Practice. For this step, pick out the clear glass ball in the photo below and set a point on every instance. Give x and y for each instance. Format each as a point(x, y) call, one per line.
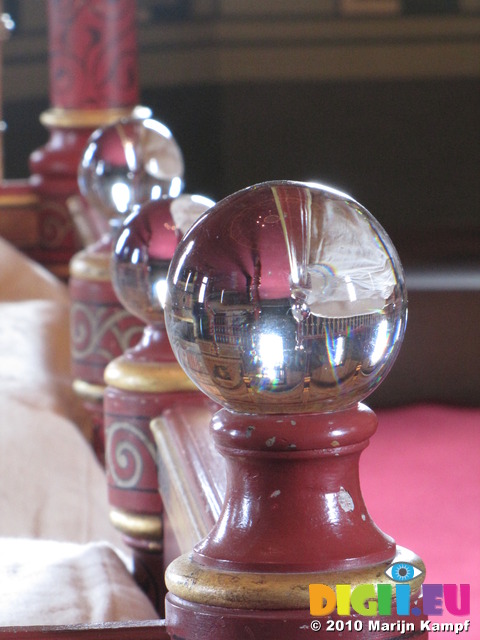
point(128, 163)
point(286, 297)
point(144, 247)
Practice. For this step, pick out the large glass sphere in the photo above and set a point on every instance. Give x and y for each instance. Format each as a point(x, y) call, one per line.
point(143, 250)
point(128, 163)
point(286, 297)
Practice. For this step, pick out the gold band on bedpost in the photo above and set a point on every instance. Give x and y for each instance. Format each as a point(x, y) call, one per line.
point(139, 526)
point(147, 377)
point(57, 117)
point(88, 391)
point(204, 585)
point(90, 266)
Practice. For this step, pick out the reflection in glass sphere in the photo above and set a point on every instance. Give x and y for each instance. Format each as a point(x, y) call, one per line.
point(286, 297)
point(128, 163)
point(142, 253)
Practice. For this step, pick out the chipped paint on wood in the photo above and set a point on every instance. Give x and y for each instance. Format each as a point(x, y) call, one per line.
point(345, 500)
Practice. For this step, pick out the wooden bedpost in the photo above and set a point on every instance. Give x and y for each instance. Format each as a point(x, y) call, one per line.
point(141, 384)
point(101, 329)
point(126, 164)
point(293, 516)
point(93, 80)
point(271, 311)
point(144, 382)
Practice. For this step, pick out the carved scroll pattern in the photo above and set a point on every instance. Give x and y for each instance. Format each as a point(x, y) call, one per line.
point(100, 333)
point(55, 225)
point(130, 457)
point(93, 53)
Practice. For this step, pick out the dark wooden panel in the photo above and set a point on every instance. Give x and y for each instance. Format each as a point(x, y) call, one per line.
point(408, 150)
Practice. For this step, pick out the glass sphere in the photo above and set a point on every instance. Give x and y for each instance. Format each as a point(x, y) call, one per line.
point(128, 163)
point(143, 250)
point(286, 297)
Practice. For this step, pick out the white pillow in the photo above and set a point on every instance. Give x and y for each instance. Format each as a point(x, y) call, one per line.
point(57, 583)
point(52, 486)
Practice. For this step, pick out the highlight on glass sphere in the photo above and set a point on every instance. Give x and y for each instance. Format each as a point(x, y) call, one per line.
point(129, 163)
point(142, 252)
point(286, 297)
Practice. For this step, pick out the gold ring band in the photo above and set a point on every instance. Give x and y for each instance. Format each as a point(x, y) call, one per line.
point(147, 377)
point(137, 525)
point(90, 118)
point(88, 391)
point(196, 583)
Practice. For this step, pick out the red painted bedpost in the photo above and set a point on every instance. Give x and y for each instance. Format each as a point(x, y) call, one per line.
point(102, 326)
point(93, 81)
point(101, 329)
point(293, 515)
point(286, 304)
point(142, 383)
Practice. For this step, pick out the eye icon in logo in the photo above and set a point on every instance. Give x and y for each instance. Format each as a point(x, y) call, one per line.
point(402, 572)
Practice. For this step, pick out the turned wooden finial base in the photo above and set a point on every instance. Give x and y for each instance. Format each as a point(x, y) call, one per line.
point(93, 80)
point(141, 384)
point(101, 329)
point(293, 516)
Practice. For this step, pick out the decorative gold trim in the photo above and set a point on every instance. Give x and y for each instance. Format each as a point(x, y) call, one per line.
point(18, 199)
point(193, 582)
point(148, 377)
point(86, 265)
point(138, 525)
point(87, 391)
point(90, 118)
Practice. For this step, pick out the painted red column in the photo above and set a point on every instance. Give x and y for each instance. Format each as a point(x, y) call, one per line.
point(142, 383)
point(286, 304)
point(93, 54)
point(101, 330)
point(293, 515)
point(102, 327)
point(93, 81)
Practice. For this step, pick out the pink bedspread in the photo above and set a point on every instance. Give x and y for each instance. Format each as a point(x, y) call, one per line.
point(421, 483)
